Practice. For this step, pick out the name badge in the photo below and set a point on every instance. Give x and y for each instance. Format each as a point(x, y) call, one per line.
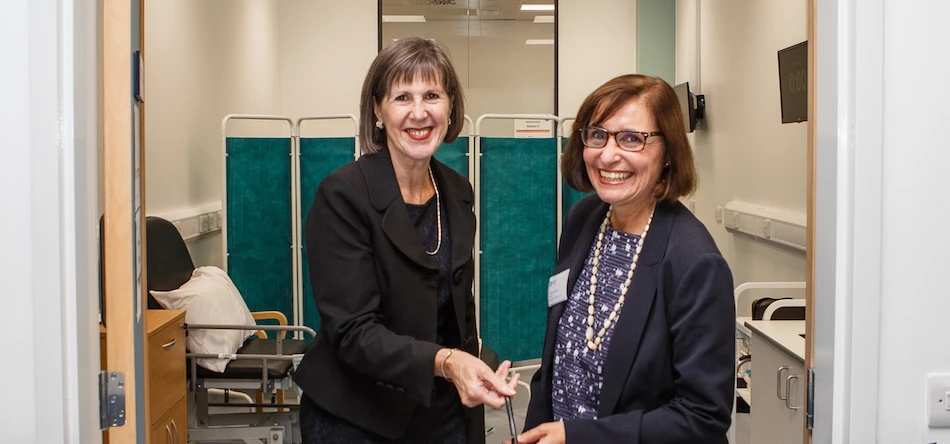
point(557, 288)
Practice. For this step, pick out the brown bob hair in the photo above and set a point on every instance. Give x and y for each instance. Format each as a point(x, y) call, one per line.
point(403, 62)
point(679, 178)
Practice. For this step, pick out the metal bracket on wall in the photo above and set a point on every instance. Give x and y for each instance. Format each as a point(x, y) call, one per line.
point(111, 399)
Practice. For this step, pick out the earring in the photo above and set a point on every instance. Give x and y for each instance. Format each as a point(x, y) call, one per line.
point(379, 124)
point(667, 165)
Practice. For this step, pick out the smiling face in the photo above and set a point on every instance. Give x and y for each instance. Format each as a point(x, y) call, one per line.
point(415, 116)
point(623, 178)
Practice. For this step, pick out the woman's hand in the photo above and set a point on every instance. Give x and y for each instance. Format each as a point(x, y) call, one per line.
point(547, 433)
point(475, 381)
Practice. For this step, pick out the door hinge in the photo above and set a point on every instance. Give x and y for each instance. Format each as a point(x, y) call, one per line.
point(810, 403)
point(111, 399)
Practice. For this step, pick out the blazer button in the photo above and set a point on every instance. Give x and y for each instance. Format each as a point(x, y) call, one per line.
point(457, 277)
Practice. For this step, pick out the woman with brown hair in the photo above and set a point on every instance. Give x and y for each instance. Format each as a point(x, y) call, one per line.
point(639, 345)
point(389, 244)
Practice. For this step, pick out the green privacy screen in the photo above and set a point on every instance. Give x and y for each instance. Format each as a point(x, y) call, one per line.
point(518, 213)
point(455, 156)
point(258, 217)
point(318, 158)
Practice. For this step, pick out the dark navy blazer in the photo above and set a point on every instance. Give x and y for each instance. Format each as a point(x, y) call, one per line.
point(375, 287)
point(668, 375)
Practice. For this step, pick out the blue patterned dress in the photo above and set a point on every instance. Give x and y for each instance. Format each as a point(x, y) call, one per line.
point(578, 371)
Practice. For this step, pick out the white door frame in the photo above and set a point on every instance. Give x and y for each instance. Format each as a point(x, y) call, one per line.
point(848, 218)
point(48, 179)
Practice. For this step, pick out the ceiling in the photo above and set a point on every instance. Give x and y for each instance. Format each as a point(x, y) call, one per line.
point(443, 10)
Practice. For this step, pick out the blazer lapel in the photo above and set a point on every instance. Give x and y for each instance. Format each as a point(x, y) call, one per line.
point(384, 194)
point(625, 341)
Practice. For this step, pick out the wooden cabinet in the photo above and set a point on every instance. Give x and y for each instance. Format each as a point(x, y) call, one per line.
point(171, 428)
point(778, 393)
point(165, 379)
point(167, 408)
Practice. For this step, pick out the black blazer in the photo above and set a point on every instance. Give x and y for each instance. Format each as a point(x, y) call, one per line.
point(668, 376)
point(375, 289)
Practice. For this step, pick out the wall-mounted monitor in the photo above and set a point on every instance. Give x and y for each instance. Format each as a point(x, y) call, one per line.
point(693, 105)
point(793, 82)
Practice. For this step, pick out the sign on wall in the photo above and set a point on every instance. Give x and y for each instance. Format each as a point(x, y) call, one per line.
point(533, 129)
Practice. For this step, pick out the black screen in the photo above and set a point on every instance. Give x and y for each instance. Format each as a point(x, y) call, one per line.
point(793, 82)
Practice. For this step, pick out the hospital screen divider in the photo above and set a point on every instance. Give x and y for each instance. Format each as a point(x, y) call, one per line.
point(258, 227)
point(458, 155)
point(455, 155)
point(318, 157)
point(516, 179)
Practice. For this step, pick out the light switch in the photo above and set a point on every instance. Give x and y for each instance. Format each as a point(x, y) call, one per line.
point(938, 400)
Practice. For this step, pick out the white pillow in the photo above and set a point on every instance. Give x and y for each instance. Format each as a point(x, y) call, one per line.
point(210, 297)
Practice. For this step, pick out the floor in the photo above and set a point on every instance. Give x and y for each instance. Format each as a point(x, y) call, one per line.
point(497, 427)
point(496, 421)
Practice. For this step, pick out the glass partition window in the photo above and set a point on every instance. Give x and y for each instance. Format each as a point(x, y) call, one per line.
point(504, 55)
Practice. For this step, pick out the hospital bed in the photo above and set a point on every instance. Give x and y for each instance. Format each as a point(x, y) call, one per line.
point(263, 364)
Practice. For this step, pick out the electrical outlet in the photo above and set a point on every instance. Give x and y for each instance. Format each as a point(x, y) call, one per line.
point(204, 224)
point(719, 214)
point(938, 400)
point(215, 220)
point(767, 228)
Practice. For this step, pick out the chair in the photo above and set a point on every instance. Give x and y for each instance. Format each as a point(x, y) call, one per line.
point(263, 364)
point(785, 310)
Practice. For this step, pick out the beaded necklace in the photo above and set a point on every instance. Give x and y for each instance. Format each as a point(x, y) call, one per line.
point(593, 342)
point(438, 206)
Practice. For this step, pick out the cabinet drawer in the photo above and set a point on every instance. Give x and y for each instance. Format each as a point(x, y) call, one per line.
point(166, 368)
point(172, 428)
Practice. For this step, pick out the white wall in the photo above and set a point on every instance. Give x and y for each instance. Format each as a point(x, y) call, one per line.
point(914, 261)
point(743, 152)
point(204, 60)
point(326, 48)
point(15, 175)
point(605, 34)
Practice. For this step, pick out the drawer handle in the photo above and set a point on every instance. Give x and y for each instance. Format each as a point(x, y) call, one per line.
point(171, 439)
point(176, 431)
point(788, 391)
point(778, 383)
point(173, 341)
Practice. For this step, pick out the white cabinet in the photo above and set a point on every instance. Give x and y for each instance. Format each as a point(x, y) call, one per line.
point(778, 393)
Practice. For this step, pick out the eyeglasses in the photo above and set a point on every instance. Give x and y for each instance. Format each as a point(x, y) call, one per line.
point(594, 137)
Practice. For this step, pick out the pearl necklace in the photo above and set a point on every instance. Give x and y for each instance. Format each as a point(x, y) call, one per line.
point(593, 342)
point(438, 209)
